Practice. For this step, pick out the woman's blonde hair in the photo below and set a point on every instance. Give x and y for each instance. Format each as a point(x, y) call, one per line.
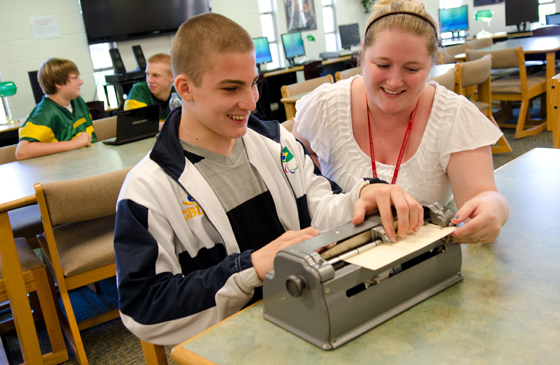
point(409, 16)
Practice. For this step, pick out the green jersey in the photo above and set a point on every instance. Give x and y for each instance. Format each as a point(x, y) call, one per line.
point(141, 96)
point(50, 122)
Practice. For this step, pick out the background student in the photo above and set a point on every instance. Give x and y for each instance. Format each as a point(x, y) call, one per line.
point(156, 89)
point(201, 218)
point(61, 121)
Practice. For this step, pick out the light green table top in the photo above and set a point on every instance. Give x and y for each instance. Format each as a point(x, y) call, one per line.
point(17, 178)
point(506, 310)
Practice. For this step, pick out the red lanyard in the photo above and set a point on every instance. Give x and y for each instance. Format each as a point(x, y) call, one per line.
point(403, 147)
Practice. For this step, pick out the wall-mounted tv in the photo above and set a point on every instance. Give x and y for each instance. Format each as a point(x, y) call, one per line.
point(120, 20)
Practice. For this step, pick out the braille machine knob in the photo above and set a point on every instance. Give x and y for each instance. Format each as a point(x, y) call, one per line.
point(295, 285)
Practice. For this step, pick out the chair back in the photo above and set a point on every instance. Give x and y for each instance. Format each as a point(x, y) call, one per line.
point(105, 128)
point(96, 109)
point(35, 86)
point(447, 54)
point(544, 31)
point(306, 86)
point(8, 154)
point(505, 58)
point(312, 70)
point(474, 73)
point(80, 199)
point(480, 43)
point(346, 74)
point(446, 80)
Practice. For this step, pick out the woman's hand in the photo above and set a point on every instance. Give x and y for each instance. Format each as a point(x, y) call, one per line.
point(484, 215)
point(380, 198)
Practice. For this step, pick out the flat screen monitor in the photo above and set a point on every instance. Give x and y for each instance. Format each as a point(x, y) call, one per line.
point(262, 50)
point(553, 19)
point(120, 20)
point(454, 19)
point(293, 46)
point(521, 11)
point(349, 35)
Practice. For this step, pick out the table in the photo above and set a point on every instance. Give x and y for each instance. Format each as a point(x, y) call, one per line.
point(16, 190)
point(506, 310)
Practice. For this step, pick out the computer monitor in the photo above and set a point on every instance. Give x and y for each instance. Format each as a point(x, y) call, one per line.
point(349, 35)
point(262, 51)
point(519, 12)
point(293, 46)
point(553, 19)
point(454, 19)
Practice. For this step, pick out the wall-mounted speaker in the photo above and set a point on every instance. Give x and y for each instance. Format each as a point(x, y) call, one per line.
point(118, 64)
point(139, 55)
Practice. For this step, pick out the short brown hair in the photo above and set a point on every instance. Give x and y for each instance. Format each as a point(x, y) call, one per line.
point(202, 35)
point(408, 23)
point(161, 58)
point(55, 71)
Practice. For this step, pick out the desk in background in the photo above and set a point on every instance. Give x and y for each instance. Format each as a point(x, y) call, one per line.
point(269, 104)
point(16, 189)
point(506, 310)
point(9, 133)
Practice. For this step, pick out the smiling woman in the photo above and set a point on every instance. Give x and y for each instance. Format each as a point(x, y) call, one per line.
point(392, 124)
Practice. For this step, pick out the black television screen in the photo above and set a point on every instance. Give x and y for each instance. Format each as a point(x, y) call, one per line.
point(119, 20)
point(349, 35)
point(486, 2)
point(520, 11)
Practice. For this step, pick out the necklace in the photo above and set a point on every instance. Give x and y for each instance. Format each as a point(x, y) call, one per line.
point(403, 147)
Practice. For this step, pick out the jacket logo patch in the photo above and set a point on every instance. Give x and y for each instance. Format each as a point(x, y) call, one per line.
point(191, 208)
point(290, 164)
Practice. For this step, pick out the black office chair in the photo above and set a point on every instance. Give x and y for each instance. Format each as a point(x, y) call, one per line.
point(35, 87)
point(312, 70)
point(96, 109)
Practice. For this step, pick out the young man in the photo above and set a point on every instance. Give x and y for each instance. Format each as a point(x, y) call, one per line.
point(201, 218)
point(156, 89)
point(61, 121)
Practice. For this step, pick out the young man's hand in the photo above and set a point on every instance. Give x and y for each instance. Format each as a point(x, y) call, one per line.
point(376, 198)
point(82, 140)
point(263, 259)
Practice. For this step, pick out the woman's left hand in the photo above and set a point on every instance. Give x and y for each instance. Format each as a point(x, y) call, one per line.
point(484, 215)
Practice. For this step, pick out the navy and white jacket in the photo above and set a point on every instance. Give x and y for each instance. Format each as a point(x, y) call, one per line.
point(179, 268)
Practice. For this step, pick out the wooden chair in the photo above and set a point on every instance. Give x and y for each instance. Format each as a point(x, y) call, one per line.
point(553, 88)
point(289, 124)
point(36, 281)
point(478, 74)
point(447, 54)
point(79, 218)
point(346, 74)
point(480, 43)
point(515, 88)
point(294, 92)
point(447, 79)
point(26, 221)
point(153, 354)
point(105, 128)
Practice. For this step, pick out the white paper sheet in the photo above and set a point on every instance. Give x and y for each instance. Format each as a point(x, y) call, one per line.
point(386, 253)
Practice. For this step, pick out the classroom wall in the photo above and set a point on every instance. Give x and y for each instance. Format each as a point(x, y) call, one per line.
point(20, 53)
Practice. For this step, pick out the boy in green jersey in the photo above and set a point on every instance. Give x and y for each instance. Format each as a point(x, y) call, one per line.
point(61, 121)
